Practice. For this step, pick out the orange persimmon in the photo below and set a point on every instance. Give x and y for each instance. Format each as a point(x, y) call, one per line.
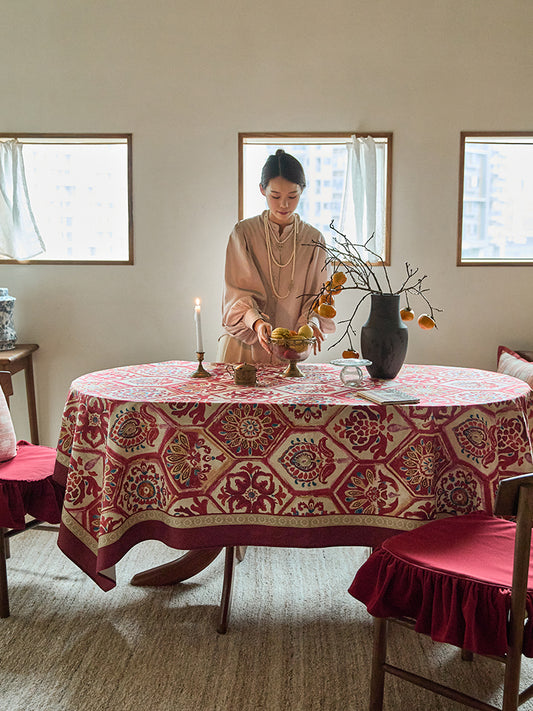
point(426, 322)
point(326, 310)
point(338, 279)
point(407, 314)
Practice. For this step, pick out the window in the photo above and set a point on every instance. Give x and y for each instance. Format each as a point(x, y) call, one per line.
point(324, 158)
point(79, 190)
point(495, 224)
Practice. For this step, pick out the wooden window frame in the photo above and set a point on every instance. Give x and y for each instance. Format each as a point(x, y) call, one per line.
point(463, 139)
point(343, 137)
point(78, 138)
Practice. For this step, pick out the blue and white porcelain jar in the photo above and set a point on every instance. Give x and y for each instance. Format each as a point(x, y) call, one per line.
point(8, 335)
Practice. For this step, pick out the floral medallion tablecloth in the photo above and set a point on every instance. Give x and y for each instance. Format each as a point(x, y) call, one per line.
point(147, 452)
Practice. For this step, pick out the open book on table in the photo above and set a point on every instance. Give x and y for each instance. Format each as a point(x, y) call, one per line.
point(384, 396)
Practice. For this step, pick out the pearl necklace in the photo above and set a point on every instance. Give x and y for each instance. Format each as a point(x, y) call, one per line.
point(269, 231)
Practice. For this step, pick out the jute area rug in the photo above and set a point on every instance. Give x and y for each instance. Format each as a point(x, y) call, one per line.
point(297, 641)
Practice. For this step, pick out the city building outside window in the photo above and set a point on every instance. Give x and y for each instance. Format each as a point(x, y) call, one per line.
point(495, 224)
point(327, 197)
point(79, 191)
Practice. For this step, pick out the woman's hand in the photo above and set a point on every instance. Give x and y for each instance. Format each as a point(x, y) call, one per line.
point(263, 331)
point(317, 333)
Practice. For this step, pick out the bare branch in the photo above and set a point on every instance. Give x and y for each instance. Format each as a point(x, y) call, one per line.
point(351, 259)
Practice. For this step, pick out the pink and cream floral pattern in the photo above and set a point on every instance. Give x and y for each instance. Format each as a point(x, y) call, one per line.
point(149, 452)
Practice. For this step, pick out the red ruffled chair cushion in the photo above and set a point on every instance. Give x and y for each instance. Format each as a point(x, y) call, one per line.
point(27, 487)
point(453, 577)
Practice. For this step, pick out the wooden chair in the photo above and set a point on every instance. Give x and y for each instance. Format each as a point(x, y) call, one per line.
point(28, 495)
point(464, 580)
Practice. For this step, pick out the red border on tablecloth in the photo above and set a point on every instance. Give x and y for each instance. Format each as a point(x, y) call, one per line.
point(211, 537)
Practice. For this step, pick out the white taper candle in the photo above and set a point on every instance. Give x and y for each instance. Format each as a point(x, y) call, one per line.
point(197, 318)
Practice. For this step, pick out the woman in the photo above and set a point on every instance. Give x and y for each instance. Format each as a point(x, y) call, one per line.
point(273, 269)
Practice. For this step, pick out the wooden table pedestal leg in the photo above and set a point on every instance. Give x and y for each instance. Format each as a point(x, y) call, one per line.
point(190, 564)
point(183, 568)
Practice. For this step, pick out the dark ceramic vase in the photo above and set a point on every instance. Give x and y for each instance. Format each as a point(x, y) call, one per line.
point(384, 337)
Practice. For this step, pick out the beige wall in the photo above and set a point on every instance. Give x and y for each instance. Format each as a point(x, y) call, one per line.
point(185, 78)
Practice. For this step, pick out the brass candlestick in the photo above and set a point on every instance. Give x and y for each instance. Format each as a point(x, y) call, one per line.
point(200, 372)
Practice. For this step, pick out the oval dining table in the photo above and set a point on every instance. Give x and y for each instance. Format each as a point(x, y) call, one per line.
point(201, 464)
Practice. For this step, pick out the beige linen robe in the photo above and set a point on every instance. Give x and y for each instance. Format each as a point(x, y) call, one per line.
point(248, 293)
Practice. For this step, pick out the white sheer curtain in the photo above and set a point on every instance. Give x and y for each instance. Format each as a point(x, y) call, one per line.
point(19, 234)
point(362, 209)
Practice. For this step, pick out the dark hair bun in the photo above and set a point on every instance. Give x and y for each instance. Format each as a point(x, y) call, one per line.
point(284, 165)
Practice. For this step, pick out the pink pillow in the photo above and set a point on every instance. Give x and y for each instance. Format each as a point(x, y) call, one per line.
point(8, 441)
point(510, 363)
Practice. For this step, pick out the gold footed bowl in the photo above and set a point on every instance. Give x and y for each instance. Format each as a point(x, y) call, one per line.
point(292, 351)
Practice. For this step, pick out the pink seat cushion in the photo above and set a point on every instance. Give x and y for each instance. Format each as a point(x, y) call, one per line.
point(453, 576)
point(26, 487)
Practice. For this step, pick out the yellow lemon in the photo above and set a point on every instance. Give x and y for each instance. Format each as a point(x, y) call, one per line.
point(305, 331)
point(298, 345)
point(280, 333)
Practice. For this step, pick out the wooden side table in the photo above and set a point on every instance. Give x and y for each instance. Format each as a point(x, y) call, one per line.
point(20, 358)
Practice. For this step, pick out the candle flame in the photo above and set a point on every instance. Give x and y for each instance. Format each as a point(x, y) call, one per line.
point(197, 302)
